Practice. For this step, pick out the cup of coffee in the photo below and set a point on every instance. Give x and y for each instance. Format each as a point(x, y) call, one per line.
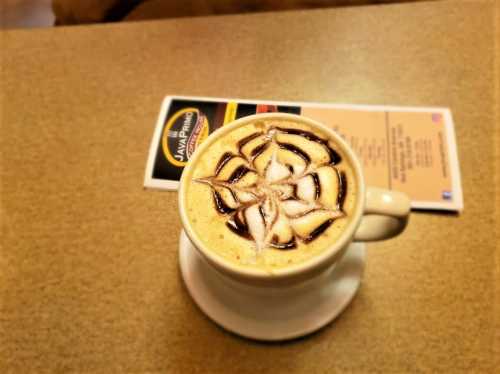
point(275, 199)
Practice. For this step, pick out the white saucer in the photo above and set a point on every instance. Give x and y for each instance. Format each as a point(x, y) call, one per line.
point(271, 314)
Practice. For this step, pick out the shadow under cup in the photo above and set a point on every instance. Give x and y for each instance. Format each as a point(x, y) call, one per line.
point(293, 273)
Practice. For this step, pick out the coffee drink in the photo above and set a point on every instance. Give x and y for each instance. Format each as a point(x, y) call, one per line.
point(271, 193)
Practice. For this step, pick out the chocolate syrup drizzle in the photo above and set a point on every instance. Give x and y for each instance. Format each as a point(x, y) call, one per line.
point(334, 156)
point(258, 150)
point(342, 189)
point(237, 225)
point(317, 185)
point(226, 157)
point(299, 152)
point(318, 231)
point(239, 173)
point(220, 204)
point(292, 244)
point(237, 222)
point(248, 138)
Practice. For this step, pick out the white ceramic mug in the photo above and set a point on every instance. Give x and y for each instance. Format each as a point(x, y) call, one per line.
point(379, 214)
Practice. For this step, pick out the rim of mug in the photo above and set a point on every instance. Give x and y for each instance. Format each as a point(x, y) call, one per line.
point(291, 270)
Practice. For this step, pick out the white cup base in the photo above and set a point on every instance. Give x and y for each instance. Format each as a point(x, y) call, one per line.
point(271, 314)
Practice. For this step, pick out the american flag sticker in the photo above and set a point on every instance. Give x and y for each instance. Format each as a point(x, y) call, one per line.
point(446, 195)
point(436, 117)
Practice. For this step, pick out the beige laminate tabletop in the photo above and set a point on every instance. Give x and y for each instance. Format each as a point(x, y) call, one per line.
point(89, 280)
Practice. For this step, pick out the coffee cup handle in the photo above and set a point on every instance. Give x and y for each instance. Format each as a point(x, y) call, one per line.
point(386, 215)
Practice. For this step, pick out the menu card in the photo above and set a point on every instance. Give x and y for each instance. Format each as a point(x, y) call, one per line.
point(409, 149)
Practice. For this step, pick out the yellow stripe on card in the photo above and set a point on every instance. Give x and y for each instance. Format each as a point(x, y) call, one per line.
point(230, 114)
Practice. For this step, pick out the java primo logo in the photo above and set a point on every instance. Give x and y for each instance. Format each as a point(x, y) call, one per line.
point(184, 131)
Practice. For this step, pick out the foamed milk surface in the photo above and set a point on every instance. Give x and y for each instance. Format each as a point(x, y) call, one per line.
point(277, 199)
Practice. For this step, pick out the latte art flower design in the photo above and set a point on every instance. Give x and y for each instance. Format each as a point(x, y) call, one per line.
point(281, 186)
